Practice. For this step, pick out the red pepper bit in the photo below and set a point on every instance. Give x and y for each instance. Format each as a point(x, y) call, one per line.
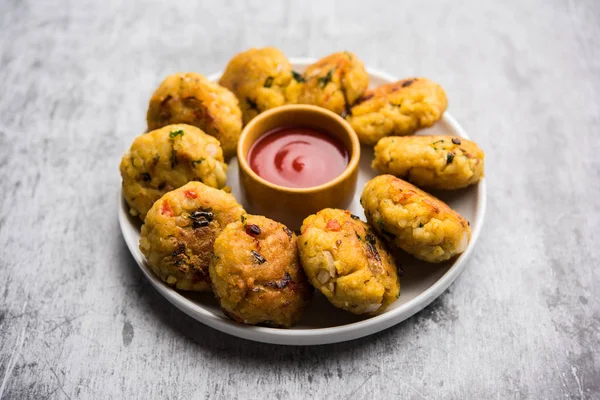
point(304, 229)
point(190, 194)
point(333, 225)
point(166, 209)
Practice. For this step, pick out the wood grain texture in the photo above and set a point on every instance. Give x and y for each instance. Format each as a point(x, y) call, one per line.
point(77, 318)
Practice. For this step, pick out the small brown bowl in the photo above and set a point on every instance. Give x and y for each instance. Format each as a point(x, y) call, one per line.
point(291, 205)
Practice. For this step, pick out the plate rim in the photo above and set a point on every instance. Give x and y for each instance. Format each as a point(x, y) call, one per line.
point(316, 336)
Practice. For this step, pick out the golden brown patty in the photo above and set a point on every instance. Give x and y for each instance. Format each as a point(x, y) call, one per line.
point(439, 162)
point(168, 158)
point(399, 108)
point(258, 77)
point(413, 220)
point(190, 98)
point(344, 259)
point(180, 230)
point(256, 273)
point(334, 82)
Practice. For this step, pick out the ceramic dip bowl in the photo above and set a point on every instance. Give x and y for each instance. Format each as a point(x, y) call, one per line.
point(290, 205)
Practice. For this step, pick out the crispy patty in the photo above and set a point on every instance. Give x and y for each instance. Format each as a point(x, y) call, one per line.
point(258, 77)
point(399, 109)
point(256, 273)
point(347, 262)
point(334, 82)
point(190, 98)
point(413, 220)
point(438, 162)
point(179, 233)
point(167, 158)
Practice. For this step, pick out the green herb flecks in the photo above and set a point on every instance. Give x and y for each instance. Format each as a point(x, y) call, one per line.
point(178, 132)
point(269, 82)
point(287, 278)
point(201, 219)
point(347, 106)
point(371, 238)
point(198, 162)
point(298, 77)
point(421, 225)
point(371, 249)
point(438, 141)
point(324, 80)
point(358, 236)
point(450, 158)
point(243, 219)
point(259, 259)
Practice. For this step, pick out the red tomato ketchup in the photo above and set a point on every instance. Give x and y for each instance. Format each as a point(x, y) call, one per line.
point(298, 157)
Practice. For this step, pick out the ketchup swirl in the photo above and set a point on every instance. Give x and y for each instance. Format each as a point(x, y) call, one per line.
point(298, 157)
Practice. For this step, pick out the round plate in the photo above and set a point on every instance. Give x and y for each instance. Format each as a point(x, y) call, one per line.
point(322, 323)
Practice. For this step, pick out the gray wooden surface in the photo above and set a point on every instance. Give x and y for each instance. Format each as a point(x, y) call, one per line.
point(78, 320)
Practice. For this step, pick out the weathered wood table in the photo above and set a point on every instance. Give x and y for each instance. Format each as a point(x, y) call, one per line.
point(77, 318)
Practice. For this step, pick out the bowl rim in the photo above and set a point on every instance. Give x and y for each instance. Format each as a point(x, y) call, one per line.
point(346, 174)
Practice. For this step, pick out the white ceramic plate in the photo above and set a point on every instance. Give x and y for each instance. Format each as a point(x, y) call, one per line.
point(322, 323)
